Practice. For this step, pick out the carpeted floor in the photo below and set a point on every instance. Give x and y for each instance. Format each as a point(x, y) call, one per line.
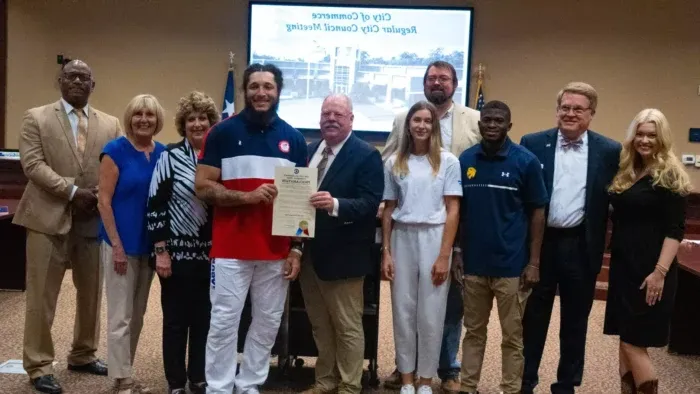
point(678, 375)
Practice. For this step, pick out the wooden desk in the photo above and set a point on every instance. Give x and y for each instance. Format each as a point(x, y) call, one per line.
point(685, 321)
point(12, 246)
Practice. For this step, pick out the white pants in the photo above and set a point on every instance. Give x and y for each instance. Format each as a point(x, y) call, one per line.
point(418, 306)
point(230, 282)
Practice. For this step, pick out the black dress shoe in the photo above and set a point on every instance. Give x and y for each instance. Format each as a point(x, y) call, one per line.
point(198, 388)
point(97, 367)
point(47, 384)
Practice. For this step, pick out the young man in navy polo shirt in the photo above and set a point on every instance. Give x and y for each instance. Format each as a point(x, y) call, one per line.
point(501, 227)
point(235, 175)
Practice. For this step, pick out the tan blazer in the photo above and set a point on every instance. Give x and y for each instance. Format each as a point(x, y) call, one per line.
point(465, 131)
point(49, 157)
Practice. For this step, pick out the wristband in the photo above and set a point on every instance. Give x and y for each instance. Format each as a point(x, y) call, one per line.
point(457, 249)
point(297, 251)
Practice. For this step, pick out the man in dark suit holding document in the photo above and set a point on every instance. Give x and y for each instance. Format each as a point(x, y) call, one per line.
point(335, 262)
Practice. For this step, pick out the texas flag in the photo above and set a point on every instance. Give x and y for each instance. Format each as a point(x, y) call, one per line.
point(228, 96)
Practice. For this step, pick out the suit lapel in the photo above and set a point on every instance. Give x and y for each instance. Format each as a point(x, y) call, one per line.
point(67, 130)
point(93, 126)
point(340, 159)
point(457, 137)
point(593, 161)
point(550, 148)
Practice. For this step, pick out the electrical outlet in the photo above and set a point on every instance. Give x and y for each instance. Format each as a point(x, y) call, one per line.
point(688, 159)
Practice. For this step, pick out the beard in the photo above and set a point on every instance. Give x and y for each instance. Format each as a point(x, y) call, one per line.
point(261, 118)
point(438, 96)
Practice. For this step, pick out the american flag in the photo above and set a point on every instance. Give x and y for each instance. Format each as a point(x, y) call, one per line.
point(479, 96)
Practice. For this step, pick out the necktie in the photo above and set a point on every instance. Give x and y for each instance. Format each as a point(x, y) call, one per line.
point(567, 143)
point(81, 137)
point(324, 161)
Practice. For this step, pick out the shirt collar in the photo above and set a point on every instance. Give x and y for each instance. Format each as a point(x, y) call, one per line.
point(336, 148)
point(503, 152)
point(69, 108)
point(449, 111)
point(189, 149)
point(583, 138)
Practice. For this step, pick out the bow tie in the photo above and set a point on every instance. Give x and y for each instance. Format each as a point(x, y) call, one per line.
point(567, 143)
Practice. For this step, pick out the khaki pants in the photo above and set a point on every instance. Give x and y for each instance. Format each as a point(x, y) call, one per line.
point(479, 292)
point(127, 298)
point(48, 256)
point(335, 310)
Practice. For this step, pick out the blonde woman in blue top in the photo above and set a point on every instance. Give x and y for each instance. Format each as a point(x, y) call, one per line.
point(422, 193)
point(126, 165)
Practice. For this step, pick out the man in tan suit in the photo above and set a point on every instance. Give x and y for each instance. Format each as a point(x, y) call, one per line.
point(459, 128)
point(59, 149)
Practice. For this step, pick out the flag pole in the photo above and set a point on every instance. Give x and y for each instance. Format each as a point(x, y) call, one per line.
point(480, 71)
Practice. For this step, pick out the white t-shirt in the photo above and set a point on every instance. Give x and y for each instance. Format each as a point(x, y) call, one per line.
point(420, 194)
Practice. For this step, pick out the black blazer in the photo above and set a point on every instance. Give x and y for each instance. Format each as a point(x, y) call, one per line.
point(603, 162)
point(342, 245)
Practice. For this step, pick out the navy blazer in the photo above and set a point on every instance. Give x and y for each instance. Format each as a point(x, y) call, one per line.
point(603, 162)
point(342, 245)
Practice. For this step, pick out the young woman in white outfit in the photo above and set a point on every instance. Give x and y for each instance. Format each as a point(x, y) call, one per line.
point(422, 191)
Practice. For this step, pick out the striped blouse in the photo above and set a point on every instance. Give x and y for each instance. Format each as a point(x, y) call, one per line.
point(175, 214)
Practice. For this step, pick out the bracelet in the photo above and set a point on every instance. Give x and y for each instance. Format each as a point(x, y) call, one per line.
point(663, 270)
point(533, 266)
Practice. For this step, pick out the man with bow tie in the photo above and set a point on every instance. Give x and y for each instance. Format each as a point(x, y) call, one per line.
point(335, 262)
point(578, 166)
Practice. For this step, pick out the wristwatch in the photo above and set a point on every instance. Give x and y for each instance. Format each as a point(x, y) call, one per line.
point(160, 249)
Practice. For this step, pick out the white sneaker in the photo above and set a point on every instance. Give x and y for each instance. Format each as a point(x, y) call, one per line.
point(425, 389)
point(408, 389)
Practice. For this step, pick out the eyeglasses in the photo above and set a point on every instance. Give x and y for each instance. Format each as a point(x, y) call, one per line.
point(337, 115)
point(442, 79)
point(564, 109)
point(81, 77)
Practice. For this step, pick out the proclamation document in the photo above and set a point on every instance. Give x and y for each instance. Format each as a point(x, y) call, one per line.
point(292, 213)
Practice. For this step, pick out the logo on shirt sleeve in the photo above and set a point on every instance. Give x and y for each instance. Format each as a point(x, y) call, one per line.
point(471, 172)
point(284, 146)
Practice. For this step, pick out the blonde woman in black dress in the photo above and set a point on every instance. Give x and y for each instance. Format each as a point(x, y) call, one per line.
point(648, 198)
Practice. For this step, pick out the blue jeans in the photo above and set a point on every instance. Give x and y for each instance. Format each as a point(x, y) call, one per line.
point(449, 367)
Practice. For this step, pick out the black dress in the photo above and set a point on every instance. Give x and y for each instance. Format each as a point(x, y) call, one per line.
point(643, 217)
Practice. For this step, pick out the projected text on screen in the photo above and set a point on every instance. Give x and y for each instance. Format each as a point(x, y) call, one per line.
point(377, 56)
